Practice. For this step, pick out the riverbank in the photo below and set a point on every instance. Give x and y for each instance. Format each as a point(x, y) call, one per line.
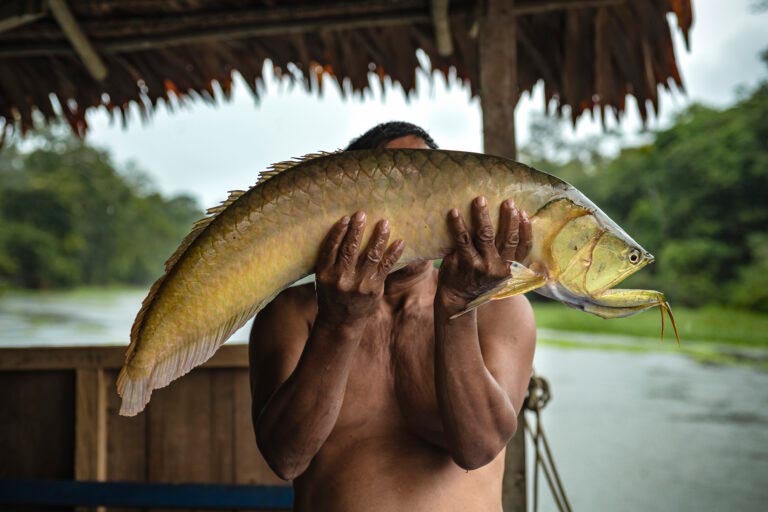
point(99, 316)
point(708, 335)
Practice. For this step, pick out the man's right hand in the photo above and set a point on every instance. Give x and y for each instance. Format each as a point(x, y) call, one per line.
point(350, 283)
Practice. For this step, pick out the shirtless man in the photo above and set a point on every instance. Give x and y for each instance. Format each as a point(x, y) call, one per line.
point(367, 395)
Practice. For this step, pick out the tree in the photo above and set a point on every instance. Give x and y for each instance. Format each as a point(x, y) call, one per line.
point(71, 218)
point(695, 196)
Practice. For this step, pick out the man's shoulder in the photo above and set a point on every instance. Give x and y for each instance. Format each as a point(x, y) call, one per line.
point(513, 316)
point(296, 299)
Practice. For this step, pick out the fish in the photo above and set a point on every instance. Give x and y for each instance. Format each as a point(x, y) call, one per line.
point(260, 241)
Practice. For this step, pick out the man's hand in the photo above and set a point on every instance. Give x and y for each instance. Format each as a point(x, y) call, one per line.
point(481, 261)
point(350, 283)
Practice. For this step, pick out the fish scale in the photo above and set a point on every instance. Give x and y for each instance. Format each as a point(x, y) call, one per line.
point(260, 241)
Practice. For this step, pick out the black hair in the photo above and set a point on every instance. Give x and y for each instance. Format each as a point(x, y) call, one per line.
point(383, 133)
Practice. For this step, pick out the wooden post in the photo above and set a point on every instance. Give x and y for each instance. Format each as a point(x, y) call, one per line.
point(499, 96)
point(498, 78)
point(90, 426)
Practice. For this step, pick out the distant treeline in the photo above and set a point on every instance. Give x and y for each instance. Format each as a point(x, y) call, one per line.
point(70, 218)
point(696, 196)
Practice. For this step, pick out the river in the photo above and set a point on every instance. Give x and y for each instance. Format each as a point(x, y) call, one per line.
point(629, 431)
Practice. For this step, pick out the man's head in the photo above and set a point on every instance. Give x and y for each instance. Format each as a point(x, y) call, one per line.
point(394, 134)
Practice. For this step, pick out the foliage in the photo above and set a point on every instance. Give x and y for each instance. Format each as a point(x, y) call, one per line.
point(713, 324)
point(695, 196)
point(70, 218)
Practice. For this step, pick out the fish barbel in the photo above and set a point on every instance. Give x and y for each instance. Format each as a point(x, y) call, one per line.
point(260, 241)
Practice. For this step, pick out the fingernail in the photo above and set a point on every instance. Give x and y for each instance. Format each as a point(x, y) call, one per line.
point(454, 213)
point(385, 225)
point(481, 201)
point(359, 216)
point(525, 215)
point(345, 220)
point(509, 204)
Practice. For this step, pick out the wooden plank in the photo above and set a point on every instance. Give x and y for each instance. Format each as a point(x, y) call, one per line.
point(250, 466)
point(126, 441)
point(222, 464)
point(37, 426)
point(108, 357)
point(90, 427)
point(179, 431)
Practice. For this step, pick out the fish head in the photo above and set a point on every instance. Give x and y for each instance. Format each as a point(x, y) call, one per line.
point(588, 255)
point(583, 250)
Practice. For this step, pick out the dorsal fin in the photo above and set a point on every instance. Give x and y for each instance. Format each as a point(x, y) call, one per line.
point(197, 228)
point(279, 167)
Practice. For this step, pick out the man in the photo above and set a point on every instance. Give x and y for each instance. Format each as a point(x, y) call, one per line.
point(366, 394)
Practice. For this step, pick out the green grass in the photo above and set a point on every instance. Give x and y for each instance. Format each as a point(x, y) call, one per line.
point(709, 324)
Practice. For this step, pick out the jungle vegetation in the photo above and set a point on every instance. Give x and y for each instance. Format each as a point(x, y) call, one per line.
point(69, 217)
point(695, 194)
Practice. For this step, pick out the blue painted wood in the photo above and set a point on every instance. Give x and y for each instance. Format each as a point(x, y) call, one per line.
point(135, 494)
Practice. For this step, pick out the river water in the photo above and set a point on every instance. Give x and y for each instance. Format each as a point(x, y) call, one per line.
point(629, 431)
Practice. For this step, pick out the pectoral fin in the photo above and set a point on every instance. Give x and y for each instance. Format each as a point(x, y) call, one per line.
point(521, 280)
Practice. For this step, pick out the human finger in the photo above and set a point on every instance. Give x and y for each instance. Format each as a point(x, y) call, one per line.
point(330, 246)
point(350, 247)
point(508, 235)
point(484, 234)
point(371, 258)
point(464, 247)
point(390, 257)
point(526, 237)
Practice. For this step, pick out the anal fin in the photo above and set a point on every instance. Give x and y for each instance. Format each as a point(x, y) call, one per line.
point(521, 280)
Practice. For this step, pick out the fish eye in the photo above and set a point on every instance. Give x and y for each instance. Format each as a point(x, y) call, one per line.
point(634, 257)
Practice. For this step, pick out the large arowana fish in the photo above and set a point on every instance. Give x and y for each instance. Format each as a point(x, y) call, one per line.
point(261, 241)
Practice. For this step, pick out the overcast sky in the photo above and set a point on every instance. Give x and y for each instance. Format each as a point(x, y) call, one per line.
point(205, 151)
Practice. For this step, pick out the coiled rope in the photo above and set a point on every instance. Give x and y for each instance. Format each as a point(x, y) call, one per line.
point(537, 399)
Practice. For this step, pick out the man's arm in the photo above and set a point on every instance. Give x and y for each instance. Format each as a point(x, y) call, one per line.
point(482, 359)
point(298, 388)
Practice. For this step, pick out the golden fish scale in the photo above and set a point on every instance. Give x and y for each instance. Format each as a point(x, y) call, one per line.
point(270, 236)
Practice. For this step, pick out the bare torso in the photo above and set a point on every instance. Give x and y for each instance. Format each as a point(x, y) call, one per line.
point(386, 451)
point(377, 390)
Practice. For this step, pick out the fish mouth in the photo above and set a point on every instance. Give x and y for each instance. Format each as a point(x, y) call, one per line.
point(614, 303)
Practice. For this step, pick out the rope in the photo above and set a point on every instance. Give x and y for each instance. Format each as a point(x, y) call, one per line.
point(537, 399)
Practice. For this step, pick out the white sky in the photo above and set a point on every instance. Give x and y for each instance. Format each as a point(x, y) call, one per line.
point(206, 151)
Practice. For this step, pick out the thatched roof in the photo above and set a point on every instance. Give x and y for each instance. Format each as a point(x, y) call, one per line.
point(589, 53)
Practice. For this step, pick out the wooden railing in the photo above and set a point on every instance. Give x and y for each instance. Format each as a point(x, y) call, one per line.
point(59, 411)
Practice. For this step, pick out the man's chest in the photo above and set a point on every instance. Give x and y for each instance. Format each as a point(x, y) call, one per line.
point(391, 379)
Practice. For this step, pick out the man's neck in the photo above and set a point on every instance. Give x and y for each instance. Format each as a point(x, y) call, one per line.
point(407, 278)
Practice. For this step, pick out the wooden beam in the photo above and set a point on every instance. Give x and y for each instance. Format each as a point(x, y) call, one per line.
point(166, 31)
point(77, 37)
point(533, 7)
point(213, 35)
point(18, 13)
point(442, 26)
point(498, 78)
point(108, 357)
